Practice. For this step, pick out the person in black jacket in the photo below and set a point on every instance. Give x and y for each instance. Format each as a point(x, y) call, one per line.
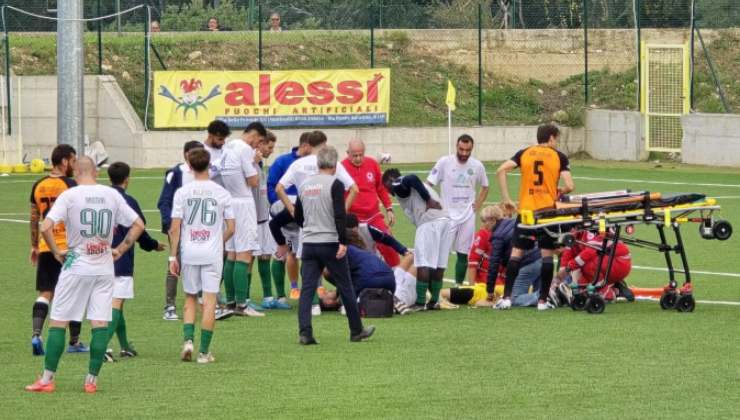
point(123, 283)
point(174, 178)
point(502, 240)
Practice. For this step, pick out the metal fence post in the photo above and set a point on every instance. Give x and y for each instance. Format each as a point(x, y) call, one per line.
point(691, 55)
point(585, 52)
point(100, 41)
point(480, 64)
point(259, 34)
point(6, 44)
point(638, 23)
point(146, 65)
point(372, 35)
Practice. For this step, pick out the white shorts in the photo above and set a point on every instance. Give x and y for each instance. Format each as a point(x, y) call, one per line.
point(405, 286)
point(123, 287)
point(246, 235)
point(432, 244)
point(76, 295)
point(463, 233)
point(268, 246)
point(205, 278)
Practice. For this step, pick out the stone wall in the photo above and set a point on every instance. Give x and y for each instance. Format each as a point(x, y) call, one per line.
point(711, 139)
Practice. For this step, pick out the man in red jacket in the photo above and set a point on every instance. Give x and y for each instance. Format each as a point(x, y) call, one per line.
point(366, 173)
point(581, 261)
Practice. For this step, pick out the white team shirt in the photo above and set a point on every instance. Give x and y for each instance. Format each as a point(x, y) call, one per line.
point(302, 169)
point(187, 174)
point(214, 168)
point(90, 214)
point(458, 183)
point(237, 164)
point(202, 206)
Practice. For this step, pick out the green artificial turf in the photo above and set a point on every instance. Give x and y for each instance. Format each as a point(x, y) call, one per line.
point(633, 361)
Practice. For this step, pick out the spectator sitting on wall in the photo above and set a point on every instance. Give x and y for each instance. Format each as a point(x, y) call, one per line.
point(275, 22)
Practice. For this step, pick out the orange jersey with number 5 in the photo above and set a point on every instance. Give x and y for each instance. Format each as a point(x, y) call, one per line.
point(43, 194)
point(540, 167)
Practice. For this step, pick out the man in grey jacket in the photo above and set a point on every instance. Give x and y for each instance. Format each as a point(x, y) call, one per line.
point(320, 211)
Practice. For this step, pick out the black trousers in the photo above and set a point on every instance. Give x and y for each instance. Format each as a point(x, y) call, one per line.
point(314, 258)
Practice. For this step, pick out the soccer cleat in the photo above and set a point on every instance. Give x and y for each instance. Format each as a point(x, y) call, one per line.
point(544, 306)
point(170, 314)
point(280, 303)
point(565, 293)
point(433, 306)
point(401, 308)
point(255, 306)
point(295, 293)
point(37, 346)
point(315, 310)
point(366, 333)
point(90, 388)
point(446, 304)
point(552, 297)
point(186, 354)
point(39, 386)
point(78, 347)
point(416, 308)
point(268, 304)
point(223, 313)
point(247, 310)
point(307, 340)
point(503, 304)
point(204, 358)
point(129, 352)
point(108, 356)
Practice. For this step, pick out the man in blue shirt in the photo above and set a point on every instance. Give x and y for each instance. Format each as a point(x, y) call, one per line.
point(123, 283)
point(277, 170)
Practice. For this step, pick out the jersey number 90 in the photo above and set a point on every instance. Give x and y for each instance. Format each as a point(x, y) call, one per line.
point(99, 222)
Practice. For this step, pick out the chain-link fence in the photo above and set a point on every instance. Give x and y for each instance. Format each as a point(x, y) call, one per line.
point(512, 61)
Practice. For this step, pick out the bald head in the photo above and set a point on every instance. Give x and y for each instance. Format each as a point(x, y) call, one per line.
point(356, 151)
point(85, 170)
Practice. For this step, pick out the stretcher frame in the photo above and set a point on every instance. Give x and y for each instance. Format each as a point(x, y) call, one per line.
point(611, 224)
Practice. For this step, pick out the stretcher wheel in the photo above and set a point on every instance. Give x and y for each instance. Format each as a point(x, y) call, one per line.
point(668, 300)
point(686, 303)
point(722, 230)
point(595, 304)
point(579, 302)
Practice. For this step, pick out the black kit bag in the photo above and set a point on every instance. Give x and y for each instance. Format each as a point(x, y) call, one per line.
point(376, 303)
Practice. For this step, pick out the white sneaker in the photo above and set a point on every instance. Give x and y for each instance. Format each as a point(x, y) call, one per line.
point(341, 310)
point(187, 351)
point(204, 358)
point(170, 314)
point(247, 310)
point(315, 310)
point(503, 304)
point(545, 306)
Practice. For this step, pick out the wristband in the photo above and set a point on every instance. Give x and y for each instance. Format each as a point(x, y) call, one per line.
point(171, 258)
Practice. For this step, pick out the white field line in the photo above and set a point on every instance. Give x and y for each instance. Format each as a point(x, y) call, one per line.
point(709, 273)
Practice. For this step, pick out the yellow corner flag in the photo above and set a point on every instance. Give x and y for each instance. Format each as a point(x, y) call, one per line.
point(450, 95)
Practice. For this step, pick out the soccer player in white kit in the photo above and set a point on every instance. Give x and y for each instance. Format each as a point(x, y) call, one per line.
point(459, 177)
point(200, 211)
point(239, 176)
point(432, 242)
point(89, 212)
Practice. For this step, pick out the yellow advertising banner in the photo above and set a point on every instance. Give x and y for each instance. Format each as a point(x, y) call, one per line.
point(192, 99)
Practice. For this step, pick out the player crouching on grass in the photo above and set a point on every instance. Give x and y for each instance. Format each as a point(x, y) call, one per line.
point(200, 211)
point(89, 212)
point(433, 240)
point(123, 283)
point(580, 261)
